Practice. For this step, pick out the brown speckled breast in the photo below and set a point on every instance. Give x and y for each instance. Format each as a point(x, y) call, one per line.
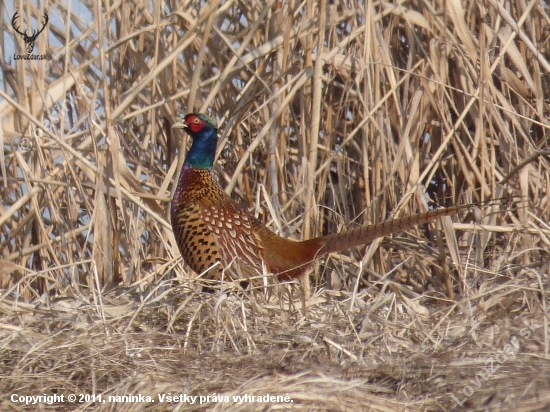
point(210, 227)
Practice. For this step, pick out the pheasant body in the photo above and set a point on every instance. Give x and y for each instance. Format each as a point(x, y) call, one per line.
point(210, 228)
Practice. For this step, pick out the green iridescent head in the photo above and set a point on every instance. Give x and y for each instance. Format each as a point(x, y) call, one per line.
point(204, 133)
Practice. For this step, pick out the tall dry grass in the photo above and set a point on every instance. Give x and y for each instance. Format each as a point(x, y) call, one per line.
point(331, 115)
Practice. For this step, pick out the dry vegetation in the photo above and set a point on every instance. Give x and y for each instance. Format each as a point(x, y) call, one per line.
point(330, 116)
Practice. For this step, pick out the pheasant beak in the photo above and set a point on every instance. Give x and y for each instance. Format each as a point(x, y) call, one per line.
point(179, 125)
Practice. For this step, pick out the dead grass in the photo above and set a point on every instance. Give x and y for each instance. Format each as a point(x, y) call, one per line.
point(321, 130)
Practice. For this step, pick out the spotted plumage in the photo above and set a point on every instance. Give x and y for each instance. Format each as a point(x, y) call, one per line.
point(215, 233)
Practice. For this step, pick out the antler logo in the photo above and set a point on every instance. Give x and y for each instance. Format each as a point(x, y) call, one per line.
point(29, 40)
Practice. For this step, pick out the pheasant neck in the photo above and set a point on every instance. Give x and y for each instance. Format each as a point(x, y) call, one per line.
point(202, 152)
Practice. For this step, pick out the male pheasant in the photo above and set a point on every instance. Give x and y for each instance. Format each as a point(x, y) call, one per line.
point(210, 227)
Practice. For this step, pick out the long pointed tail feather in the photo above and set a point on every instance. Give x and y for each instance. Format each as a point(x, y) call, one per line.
point(340, 242)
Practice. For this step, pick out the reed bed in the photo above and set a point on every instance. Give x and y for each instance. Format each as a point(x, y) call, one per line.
point(331, 115)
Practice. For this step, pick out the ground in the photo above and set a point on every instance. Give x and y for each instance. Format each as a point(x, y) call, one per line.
point(368, 351)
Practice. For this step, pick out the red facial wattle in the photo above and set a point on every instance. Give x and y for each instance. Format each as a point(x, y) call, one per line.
point(195, 127)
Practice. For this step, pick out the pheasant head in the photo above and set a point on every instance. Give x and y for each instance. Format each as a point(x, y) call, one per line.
point(204, 133)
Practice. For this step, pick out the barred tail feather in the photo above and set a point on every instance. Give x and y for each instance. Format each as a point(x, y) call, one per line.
point(340, 242)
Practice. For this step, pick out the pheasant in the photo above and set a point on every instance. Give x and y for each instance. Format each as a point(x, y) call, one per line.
point(214, 233)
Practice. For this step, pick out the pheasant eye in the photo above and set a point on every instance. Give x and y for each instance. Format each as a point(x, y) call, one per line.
point(196, 124)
